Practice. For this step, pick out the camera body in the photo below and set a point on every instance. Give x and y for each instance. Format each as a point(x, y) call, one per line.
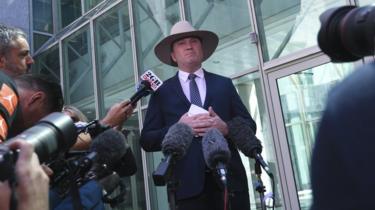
point(347, 33)
point(52, 135)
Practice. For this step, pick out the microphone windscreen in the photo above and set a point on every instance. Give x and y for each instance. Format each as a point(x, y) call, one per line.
point(215, 148)
point(110, 147)
point(177, 140)
point(243, 136)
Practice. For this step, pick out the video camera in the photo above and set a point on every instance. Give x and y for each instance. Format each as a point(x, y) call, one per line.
point(347, 33)
point(52, 135)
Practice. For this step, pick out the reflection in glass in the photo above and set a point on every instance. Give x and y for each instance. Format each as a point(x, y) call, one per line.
point(78, 77)
point(114, 55)
point(235, 53)
point(48, 63)
point(39, 40)
point(250, 91)
point(303, 96)
point(69, 10)
point(289, 25)
point(42, 16)
point(135, 191)
point(365, 2)
point(89, 4)
point(153, 20)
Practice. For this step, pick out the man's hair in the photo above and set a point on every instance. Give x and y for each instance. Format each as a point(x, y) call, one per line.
point(48, 86)
point(7, 36)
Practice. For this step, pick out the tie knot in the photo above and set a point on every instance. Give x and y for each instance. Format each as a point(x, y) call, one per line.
point(192, 76)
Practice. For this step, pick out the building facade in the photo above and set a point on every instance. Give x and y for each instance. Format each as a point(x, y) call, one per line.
point(98, 49)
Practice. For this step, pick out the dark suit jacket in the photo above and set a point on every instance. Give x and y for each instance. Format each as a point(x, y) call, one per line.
point(343, 170)
point(166, 107)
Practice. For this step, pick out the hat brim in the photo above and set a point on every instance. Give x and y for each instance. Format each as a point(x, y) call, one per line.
point(208, 39)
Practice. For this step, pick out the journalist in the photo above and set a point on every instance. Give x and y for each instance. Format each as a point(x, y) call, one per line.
point(32, 183)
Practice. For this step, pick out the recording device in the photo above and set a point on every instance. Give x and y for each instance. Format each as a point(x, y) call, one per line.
point(244, 138)
point(174, 146)
point(52, 135)
point(347, 33)
point(149, 83)
point(216, 153)
point(94, 128)
point(108, 153)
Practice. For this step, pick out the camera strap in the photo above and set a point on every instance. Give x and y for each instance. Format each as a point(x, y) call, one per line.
point(76, 198)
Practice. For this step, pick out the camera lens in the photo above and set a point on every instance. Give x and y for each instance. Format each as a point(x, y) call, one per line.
point(53, 134)
point(347, 33)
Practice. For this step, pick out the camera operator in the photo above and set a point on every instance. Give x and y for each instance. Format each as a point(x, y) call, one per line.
point(15, 60)
point(32, 182)
point(342, 174)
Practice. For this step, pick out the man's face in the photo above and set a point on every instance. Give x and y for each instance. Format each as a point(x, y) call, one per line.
point(17, 60)
point(187, 52)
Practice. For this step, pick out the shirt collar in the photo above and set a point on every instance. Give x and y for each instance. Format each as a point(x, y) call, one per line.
point(184, 75)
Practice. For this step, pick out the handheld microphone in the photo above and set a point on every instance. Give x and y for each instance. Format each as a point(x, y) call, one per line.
point(174, 146)
point(216, 152)
point(149, 83)
point(113, 154)
point(243, 136)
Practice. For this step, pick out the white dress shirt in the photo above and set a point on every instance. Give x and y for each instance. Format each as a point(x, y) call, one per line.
point(201, 83)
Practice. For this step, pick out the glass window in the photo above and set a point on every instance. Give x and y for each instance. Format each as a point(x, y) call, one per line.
point(135, 191)
point(114, 55)
point(78, 76)
point(289, 25)
point(42, 15)
point(89, 4)
point(69, 10)
point(365, 2)
point(235, 53)
point(303, 97)
point(153, 20)
point(250, 91)
point(48, 63)
point(39, 40)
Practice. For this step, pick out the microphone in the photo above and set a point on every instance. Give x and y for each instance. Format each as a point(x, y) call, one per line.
point(113, 154)
point(149, 83)
point(243, 136)
point(174, 146)
point(216, 152)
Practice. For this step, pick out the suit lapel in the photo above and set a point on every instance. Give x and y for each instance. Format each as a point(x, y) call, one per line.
point(176, 87)
point(209, 89)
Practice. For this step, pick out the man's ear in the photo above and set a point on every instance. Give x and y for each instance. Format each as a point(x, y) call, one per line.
point(37, 98)
point(173, 57)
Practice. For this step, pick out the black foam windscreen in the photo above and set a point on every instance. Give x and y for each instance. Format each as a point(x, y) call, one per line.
point(215, 148)
point(110, 146)
point(177, 140)
point(243, 136)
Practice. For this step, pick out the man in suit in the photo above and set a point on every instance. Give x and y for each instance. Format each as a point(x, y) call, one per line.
point(342, 172)
point(186, 49)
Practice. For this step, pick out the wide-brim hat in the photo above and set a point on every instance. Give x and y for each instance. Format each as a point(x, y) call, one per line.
point(180, 30)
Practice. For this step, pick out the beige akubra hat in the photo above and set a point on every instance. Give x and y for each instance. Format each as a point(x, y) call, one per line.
point(180, 30)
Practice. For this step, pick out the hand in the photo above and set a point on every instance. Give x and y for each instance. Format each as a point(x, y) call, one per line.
point(200, 123)
point(217, 122)
point(32, 183)
point(118, 114)
point(4, 195)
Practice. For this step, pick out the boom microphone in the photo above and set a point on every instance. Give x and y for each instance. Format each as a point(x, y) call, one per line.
point(174, 146)
point(216, 152)
point(149, 84)
point(243, 136)
point(113, 154)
